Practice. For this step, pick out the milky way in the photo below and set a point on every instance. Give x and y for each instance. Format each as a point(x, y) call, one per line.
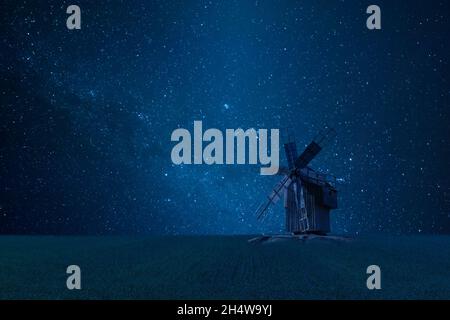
point(86, 115)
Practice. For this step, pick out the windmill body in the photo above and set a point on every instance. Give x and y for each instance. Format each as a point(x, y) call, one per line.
point(308, 194)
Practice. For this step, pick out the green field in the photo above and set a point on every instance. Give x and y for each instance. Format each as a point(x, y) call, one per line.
point(223, 267)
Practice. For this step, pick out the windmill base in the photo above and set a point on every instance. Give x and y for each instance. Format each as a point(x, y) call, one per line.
point(303, 237)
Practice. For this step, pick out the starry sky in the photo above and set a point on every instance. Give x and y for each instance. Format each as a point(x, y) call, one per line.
point(86, 115)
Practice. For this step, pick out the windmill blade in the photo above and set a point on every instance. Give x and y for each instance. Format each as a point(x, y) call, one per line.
point(273, 198)
point(296, 189)
point(302, 197)
point(311, 151)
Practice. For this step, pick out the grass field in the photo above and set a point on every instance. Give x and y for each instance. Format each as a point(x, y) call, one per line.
point(228, 267)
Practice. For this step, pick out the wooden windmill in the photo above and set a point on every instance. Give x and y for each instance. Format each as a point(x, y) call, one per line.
point(308, 194)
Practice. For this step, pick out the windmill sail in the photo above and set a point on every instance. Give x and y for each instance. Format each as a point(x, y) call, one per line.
point(313, 149)
point(273, 198)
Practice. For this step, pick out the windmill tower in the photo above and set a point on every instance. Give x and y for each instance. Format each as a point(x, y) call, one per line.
point(308, 194)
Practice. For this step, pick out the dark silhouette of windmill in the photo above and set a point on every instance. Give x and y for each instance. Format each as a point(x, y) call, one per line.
point(308, 194)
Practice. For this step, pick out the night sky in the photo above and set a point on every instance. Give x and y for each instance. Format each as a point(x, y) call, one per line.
point(86, 115)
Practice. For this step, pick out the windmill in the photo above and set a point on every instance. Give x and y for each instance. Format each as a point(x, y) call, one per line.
point(309, 195)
